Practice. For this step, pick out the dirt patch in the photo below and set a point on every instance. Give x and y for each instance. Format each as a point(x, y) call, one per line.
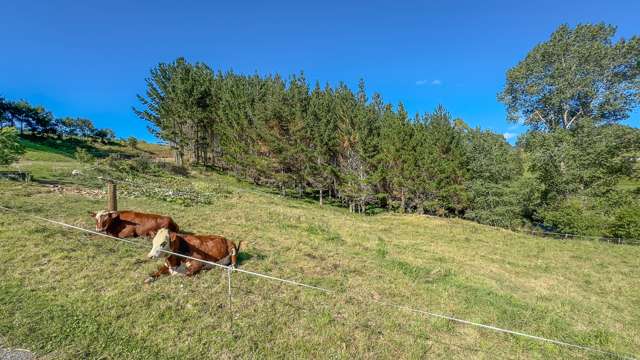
point(92, 193)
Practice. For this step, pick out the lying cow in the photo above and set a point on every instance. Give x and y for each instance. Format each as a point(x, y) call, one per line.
point(210, 248)
point(124, 224)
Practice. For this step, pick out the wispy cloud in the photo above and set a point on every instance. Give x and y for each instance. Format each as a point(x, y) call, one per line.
point(509, 135)
point(435, 82)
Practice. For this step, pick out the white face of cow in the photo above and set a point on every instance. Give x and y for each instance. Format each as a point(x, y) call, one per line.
point(103, 219)
point(162, 241)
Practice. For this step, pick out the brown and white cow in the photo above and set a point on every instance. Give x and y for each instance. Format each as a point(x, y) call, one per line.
point(125, 223)
point(212, 248)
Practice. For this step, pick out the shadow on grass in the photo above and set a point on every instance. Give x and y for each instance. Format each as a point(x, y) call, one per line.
point(244, 256)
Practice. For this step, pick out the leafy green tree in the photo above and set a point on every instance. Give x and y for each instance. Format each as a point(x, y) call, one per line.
point(84, 127)
point(104, 135)
point(579, 73)
point(490, 157)
point(21, 114)
point(494, 181)
point(7, 113)
point(10, 147)
point(589, 157)
point(626, 223)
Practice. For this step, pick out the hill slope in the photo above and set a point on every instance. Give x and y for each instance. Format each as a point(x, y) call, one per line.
point(71, 295)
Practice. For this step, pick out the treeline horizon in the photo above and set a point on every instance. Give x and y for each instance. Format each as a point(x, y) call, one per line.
point(566, 172)
point(367, 155)
point(36, 120)
point(327, 141)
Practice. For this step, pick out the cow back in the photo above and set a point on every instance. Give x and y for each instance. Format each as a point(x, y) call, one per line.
point(210, 247)
point(150, 222)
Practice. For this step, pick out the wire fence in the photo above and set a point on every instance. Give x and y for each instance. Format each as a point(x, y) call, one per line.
point(346, 294)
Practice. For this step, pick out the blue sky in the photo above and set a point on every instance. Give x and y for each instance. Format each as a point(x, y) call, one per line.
point(90, 58)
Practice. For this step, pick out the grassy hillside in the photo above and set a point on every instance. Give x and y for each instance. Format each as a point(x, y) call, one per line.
point(67, 294)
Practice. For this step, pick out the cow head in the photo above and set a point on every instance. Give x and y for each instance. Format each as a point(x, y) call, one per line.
point(162, 241)
point(103, 219)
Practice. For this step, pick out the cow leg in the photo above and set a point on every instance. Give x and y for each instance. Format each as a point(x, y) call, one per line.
point(128, 231)
point(193, 267)
point(162, 270)
point(145, 230)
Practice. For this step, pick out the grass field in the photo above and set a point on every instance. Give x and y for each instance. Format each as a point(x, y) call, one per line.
point(66, 294)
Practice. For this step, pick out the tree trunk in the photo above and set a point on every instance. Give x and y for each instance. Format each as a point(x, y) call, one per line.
point(178, 157)
point(321, 197)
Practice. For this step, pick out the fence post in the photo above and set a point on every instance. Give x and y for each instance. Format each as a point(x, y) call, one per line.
point(112, 196)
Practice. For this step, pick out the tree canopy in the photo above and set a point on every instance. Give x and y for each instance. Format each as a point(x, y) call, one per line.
point(36, 120)
point(10, 147)
point(330, 142)
point(579, 73)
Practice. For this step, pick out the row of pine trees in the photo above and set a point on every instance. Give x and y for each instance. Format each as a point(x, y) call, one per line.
point(328, 142)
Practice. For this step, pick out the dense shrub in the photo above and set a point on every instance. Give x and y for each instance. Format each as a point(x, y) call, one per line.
point(576, 215)
point(626, 223)
point(495, 204)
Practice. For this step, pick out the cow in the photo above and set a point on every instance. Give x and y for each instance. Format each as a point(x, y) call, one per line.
point(212, 248)
point(125, 223)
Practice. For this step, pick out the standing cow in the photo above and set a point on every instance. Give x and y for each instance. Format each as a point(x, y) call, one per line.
point(210, 248)
point(125, 223)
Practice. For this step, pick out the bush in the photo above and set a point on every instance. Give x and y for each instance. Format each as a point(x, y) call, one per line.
point(508, 204)
point(10, 147)
point(143, 164)
point(83, 155)
point(576, 215)
point(172, 168)
point(626, 223)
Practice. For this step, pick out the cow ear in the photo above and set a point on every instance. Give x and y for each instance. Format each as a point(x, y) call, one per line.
point(92, 213)
point(114, 215)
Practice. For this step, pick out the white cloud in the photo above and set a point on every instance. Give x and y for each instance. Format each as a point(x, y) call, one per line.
point(509, 135)
point(430, 82)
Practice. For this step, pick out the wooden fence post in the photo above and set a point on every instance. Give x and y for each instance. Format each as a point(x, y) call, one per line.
point(112, 196)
